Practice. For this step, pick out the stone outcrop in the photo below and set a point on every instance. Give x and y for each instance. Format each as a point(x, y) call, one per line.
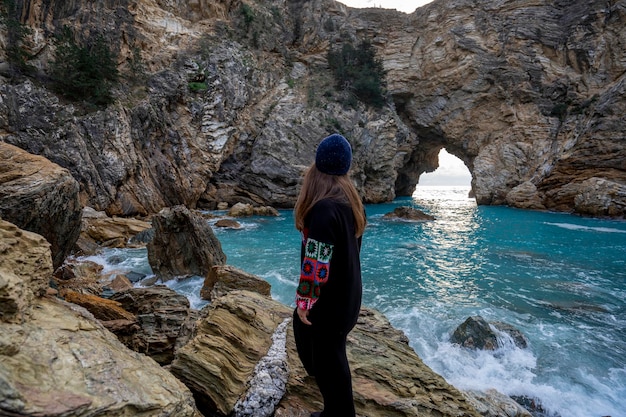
point(162, 316)
point(408, 214)
point(40, 196)
point(528, 94)
point(477, 333)
point(183, 244)
point(222, 279)
point(57, 359)
point(99, 230)
point(389, 379)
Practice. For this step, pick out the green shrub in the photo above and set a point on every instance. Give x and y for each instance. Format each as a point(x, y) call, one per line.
point(358, 73)
point(197, 87)
point(17, 56)
point(84, 72)
point(248, 15)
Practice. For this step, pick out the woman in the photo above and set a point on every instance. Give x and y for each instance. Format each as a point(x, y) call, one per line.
point(329, 214)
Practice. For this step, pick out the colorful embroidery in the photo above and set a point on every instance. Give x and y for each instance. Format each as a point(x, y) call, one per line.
point(314, 273)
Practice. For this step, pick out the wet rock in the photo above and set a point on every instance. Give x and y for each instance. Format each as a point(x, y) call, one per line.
point(491, 403)
point(184, 244)
point(40, 196)
point(225, 278)
point(409, 214)
point(227, 224)
point(477, 333)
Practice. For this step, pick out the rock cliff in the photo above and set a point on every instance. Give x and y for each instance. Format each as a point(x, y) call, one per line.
point(233, 97)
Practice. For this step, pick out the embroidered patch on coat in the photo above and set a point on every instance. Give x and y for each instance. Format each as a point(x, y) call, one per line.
point(314, 272)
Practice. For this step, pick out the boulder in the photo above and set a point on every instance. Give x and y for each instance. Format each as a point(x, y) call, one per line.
point(161, 314)
point(25, 271)
point(240, 328)
point(111, 231)
point(409, 214)
point(184, 244)
point(525, 196)
point(246, 209)
point(601, 197)
point(241, 210)
point(235, 334)
point(225, 278)
point(79, 276)
point(40, 196)
point(227, 223)
point(477, 333)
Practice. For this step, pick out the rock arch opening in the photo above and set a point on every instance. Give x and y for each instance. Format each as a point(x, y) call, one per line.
point(433, 164)
point(451, 171)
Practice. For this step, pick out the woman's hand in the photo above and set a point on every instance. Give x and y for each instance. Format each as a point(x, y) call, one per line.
point(304, 316)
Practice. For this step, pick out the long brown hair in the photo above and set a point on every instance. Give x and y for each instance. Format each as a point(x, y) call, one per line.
point(317, 186)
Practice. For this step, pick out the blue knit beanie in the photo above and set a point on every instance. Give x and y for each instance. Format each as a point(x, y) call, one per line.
point(334, 155)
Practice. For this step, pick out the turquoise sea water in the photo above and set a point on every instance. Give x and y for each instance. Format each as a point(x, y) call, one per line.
point(560, 279)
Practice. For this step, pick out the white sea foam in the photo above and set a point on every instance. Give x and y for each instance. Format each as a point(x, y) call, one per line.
point(571, 226)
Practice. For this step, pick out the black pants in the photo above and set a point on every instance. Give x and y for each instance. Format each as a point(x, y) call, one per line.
point(323, 354)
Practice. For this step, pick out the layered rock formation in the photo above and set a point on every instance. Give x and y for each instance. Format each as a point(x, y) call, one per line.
point(388, 378)
point(57, 359)
point(528, 94)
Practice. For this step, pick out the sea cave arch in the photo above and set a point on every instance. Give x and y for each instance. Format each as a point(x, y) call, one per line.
point(426, 159)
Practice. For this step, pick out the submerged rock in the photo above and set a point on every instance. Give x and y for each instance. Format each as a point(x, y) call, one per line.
point(409, 214)
point(477, 333)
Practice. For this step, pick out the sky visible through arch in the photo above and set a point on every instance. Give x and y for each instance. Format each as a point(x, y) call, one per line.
point(451, 171)
point(406, 6)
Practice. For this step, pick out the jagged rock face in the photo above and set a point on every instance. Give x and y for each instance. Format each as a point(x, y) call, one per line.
point(41, 197)
point(528, 94)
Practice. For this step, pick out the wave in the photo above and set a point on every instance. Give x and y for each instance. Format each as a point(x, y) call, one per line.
point(571, 226)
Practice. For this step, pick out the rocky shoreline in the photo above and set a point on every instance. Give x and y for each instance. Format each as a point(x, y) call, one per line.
point(141, 350)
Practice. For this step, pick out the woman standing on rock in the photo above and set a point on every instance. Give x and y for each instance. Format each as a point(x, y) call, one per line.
point(329, 214)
